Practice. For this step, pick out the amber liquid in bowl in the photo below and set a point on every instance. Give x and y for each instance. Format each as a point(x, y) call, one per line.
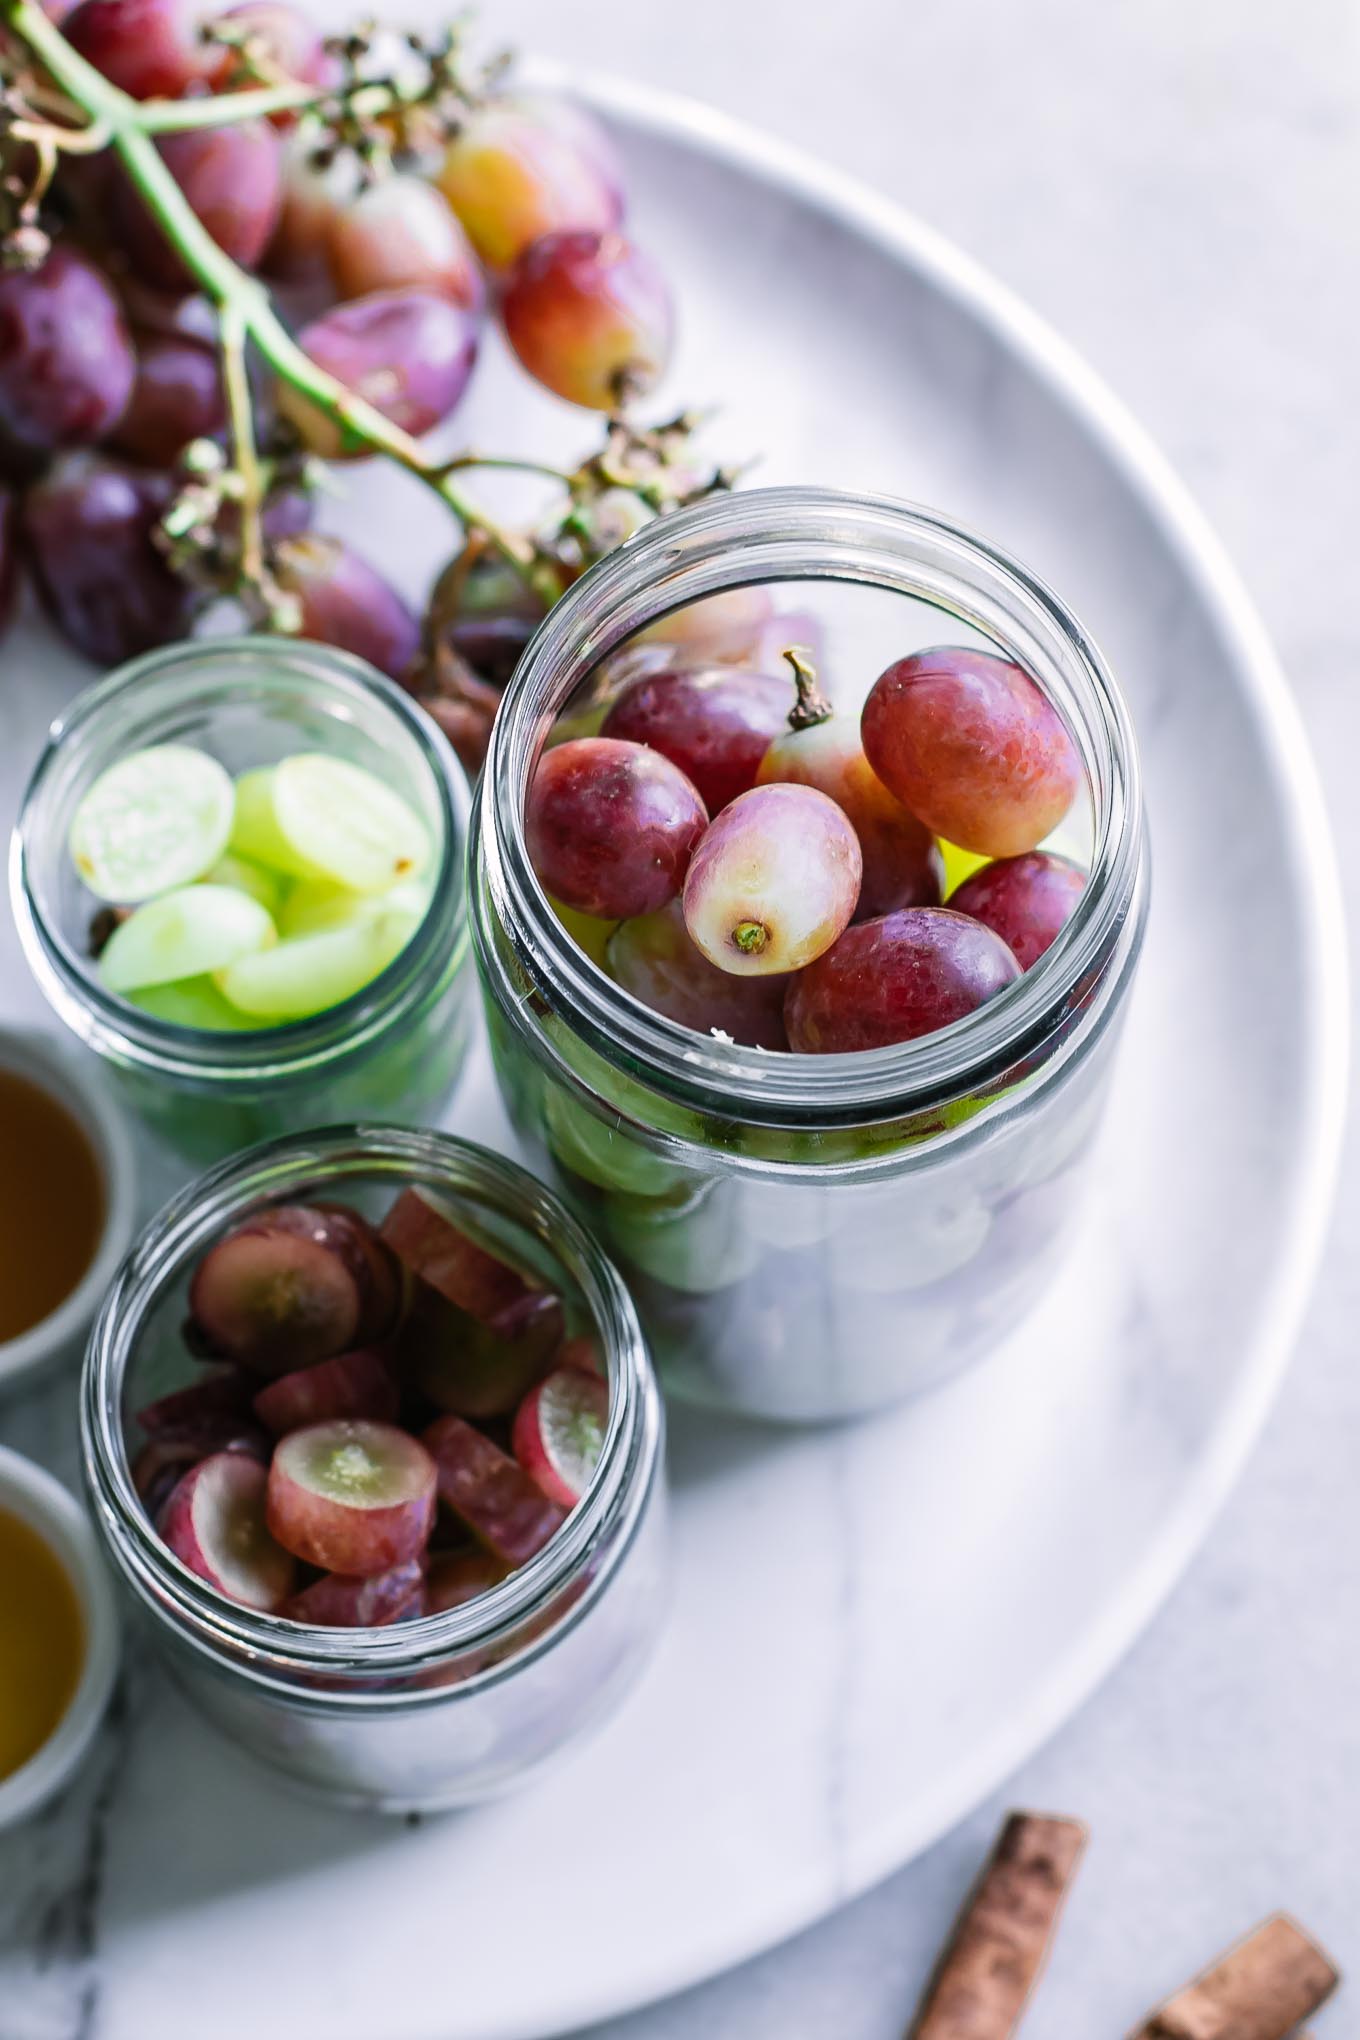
point(42, 1642)
point(51, 1206)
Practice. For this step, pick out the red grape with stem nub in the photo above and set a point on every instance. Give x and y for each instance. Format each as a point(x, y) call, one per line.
point(521, 168)
point(590, 316)
point(232, 178)
point(715, 722)
point(969, 743)
point(611, 826)
point(66, 359)
point(894, 978)
point(1027, 900)
point(902, 863)
point(178, 396)
point(773, 882)
point(408, 352)
point(107, 587)
point(347, 603)
point(654, 959)
point(400, 233)
point(149, 48)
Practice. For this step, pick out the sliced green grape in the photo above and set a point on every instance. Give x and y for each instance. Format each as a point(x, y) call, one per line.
point(958, 865)
point(586, 930)
point(316, 904)
point(158, 818)
point(249, 877)
point(255, 830)
point(308, 974)
point(347, 823)
point(603, 1154)
point(187, 933)
point(192, 1002)
point(690, 1241)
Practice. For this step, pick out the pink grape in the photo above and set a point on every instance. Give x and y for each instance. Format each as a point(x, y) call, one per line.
point(485, 611)
point(178, 396)
point(232, 177)
point(654, 958)
point(399, 232)
point(611, 826)
point(714, 722)
point(313, 196)
point(409, 353)
point(106, 586)
point(284, 41)
point(347, 603)
point(589, 315)
point(1027, 900)
point(773, 882)
point(352, 1495)
point(215, 1523)
point(894, 978)
point(66, 361)
point(148, 48)
point(523, 168)
point(969, 743)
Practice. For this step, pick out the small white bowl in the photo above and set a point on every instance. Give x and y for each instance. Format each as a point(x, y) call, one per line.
point(39, 1500)
point(79, 1085)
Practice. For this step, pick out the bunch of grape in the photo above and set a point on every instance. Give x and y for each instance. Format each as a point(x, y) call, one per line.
point(113, 398)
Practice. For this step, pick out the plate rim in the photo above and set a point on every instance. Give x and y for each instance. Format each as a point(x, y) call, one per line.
point(1324, 1036)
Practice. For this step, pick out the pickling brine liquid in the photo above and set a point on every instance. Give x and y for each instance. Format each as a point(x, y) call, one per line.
point(51, 1204)
point(42, 1642)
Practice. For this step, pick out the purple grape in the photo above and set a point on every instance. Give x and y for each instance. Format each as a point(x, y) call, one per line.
point(178, 396)
point(773, 882)
point(1027, 900)
point(485, 611)
point(654, 958)
point(715, 722)
point(408, 352)
point(66, 360)
point(610, 826)
point(894, 978)
point(146, 47)
point(89, 527)
point(232, 177)
point(347, 603)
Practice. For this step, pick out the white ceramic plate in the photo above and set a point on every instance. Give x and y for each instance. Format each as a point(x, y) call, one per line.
point(871, 1627)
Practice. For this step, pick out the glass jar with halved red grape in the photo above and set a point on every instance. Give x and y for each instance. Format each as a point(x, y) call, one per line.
point(809, 882)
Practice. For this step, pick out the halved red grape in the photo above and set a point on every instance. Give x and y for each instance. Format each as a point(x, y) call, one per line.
point(1027, 900)
point(428, 1241)
point(232, 177)
point(358, 1384)
point(895, 978)
point(400, 232)
point(89, 526)
point(347, 603)
point(590, 316)
point(225, 1392)
point(66, 360)
point(149, 48)
point(611, 826)
point(164, 1460)
point(457, 1577)
point(352, 1496)
point(654, 958)
point(409, 353)
point(773, 882)
point(215, 1523)
point(344, 1601)
point(283, 1289)
point(522, 168)
point(178, 396)
point(489, 1492)
point(715, 722)
point(972, 746)
point(559, 1433)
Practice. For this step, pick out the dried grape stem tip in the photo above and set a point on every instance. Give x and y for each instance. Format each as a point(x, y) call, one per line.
point(1000, 1940)
point(1259, 1990)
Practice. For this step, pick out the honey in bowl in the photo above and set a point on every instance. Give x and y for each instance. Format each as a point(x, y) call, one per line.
point(51, 1205)
point(42, 1642)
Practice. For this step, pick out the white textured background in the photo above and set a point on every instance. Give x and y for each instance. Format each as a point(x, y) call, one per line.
point(1176, 185)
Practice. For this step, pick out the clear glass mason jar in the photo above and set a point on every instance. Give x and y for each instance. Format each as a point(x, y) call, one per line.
point(394, 1050)
point(446, 1709)
point(811, 1237)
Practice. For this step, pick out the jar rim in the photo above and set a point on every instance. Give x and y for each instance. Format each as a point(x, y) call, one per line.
point(279, 1647)
point(116, 1028)
point(801, 534)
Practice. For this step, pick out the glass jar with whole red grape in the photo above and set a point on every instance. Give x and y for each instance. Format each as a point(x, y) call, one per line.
point(400, 1528)
point(238, 876)
point(808, 886)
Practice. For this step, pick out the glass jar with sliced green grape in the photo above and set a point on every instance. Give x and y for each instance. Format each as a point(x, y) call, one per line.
point(808, 887)
point(238, 877)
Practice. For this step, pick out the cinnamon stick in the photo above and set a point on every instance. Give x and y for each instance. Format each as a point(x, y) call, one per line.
point(993, 1957)
point(1260, 1990)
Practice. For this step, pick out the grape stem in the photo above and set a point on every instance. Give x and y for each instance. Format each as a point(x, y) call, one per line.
point(812, 706)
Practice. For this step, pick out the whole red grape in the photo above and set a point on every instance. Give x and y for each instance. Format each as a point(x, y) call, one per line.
point(282, 39)
point(522, 168)
point(178, 396)
point(589, 315)
point(347, 603)
point(654, 958)
point(485, 611)
point(88, 526)
point(1027, 900)
point(232, 177)
point(773, 882)
point(894, 978)
point(714, 722)
point(314, 194)
point(729, 625)
point(408, 352)
point(972, 746)
point(398, 232)
point(610, 826)
point(149, 48)
point(66, 360)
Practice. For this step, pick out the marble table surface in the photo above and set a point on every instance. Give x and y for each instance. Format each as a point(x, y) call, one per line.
point(1174, 189)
